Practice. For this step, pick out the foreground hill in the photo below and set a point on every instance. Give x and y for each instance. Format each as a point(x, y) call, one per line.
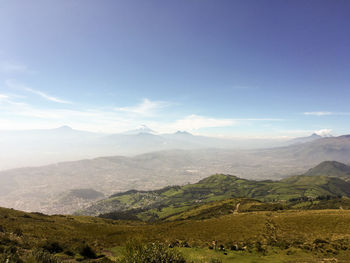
point(283, 236)
point(169, 201)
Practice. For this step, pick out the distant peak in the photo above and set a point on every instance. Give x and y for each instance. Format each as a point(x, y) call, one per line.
point(312, 137)
point(144, 127)
point(140, 130)
point(65, 128)
point(315, 135)
point(183, 133)
point(324, 133)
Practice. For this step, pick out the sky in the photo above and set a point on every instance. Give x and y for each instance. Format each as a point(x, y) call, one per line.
point(263, 68)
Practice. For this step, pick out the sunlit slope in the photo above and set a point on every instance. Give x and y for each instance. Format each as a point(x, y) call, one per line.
point(163, 203)
point(325, 231)
point(331, 168)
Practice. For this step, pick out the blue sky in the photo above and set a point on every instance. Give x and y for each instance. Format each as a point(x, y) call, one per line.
point(264, 68)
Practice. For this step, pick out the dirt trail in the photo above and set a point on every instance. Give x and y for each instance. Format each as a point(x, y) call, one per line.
point(236, 208)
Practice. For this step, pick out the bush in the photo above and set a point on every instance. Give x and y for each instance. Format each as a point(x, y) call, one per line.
point(53, 247)
point(41, 256)
point(136, 252)
point(10, 256)
point(260, 248)
point(69, 253)
point(87, 252)
point(18, 232)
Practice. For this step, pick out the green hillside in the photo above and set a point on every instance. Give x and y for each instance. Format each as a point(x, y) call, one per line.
point(169, 201)
point(225, 207)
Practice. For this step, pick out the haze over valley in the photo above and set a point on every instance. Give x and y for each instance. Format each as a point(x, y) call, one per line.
point(49, 188)
point(46, 146)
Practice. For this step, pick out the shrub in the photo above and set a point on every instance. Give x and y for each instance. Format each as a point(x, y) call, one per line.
point(137, 252)
point(87, 252)
point(41, 256)
point(18, 232)
point(8, 242)
point(26, 216)
point(53, 247)
point(222, 248)
point(69, 253)
point(260, 248)
point(10, 256)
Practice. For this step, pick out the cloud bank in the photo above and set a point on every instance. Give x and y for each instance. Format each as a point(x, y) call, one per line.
point(326, 113)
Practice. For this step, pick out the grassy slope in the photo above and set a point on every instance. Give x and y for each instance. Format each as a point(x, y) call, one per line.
point(205, 255)
point(280, 231)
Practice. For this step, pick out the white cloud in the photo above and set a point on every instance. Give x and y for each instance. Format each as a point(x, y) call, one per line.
point(15, 85)
point(195, 122)
point(21, 116)
point(102, 120)
point(146, 108)
point(47, 97)
point(108, 120)
point(326, 113)
point(258, 119)
point(324, 132)
point(3, 97)
point(318, 113)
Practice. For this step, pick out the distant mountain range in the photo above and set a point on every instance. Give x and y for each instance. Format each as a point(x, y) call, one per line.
point(321, 181)
point(42, 147)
